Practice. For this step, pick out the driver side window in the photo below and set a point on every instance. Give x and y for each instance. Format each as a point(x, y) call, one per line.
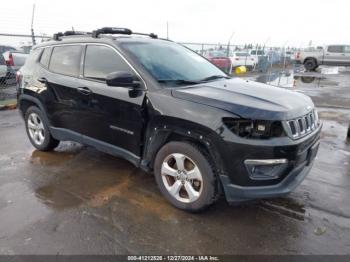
point(101, 61)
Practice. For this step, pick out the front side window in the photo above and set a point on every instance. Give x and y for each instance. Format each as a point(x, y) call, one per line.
point(101, 61)
point(66, 60)
point(170, 61)
point(336, 49)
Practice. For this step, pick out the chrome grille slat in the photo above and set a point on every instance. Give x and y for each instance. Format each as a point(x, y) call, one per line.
point(299, 127)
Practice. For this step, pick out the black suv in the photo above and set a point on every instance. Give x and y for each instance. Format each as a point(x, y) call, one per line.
point(168, 111)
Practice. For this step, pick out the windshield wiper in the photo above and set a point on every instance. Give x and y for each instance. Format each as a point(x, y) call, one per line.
point(213, 77)
point(179, 81)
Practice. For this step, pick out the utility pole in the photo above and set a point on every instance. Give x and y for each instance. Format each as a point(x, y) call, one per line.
point(228, 44)
point(167, 30)
point(32, 29)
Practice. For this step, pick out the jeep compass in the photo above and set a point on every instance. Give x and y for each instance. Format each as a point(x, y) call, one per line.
point(170, 112)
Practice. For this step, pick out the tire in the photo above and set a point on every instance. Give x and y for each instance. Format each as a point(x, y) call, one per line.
point(310, 64)
point(38, 131)
point(307, 79)
point(196, 188)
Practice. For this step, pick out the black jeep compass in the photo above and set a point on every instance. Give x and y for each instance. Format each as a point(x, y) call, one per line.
point(168, 111)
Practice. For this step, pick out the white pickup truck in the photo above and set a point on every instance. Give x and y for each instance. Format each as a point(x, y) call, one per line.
point(334, 55)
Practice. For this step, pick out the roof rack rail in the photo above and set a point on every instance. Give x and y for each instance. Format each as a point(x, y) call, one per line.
point(117, 30)
point(58, 35)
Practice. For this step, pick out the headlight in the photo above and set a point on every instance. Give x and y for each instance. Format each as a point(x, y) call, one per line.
point(259, 129)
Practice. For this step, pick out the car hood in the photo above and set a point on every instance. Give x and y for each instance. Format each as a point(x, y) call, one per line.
point(248, 99)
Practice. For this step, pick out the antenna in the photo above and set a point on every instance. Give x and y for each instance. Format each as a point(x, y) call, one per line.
point(32, 29)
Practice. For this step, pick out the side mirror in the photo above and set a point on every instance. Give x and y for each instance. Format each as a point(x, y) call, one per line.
point(123, 79)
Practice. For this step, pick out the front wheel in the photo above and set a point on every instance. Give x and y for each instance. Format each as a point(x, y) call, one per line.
point(185, 176)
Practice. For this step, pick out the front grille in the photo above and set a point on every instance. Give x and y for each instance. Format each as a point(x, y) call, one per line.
point(299, 127)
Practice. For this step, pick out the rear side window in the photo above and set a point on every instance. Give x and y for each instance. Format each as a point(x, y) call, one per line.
point(66, 60)
point(336, 49)
point(102, 60)
point(45, 57)
point(33, 57)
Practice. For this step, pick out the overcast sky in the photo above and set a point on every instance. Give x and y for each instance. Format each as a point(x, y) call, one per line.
point(290, 22)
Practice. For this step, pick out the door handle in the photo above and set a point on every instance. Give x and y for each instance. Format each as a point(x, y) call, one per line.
point(84, 90)
point(42, 80)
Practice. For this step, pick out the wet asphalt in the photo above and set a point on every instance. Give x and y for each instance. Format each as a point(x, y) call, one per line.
point(77, 200)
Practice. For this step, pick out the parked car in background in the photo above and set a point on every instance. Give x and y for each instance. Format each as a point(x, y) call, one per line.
point(256, 53)
point(5, 48)
point(220, 59)
point(3, 70)
point(14, 61)
point(333, 55)
point(242, 59)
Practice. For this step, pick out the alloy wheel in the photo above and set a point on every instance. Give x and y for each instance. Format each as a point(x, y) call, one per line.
point(36, 128)
point(182, 178)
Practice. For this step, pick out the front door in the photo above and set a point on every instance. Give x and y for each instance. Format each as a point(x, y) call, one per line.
point(334, 55)
point(115, 116)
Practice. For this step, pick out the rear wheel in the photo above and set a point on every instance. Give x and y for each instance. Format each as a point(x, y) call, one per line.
point(310, 64)
point(185, 176)
point(38, 130)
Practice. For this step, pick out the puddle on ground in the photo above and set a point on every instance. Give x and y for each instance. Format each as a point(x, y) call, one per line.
point(58, 157)
point(57, 198)
point(291, 79)
point(285, 206)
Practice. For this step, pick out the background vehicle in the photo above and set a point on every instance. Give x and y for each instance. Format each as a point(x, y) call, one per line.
point(14, 61)
point(200, 132)
point(333, 55)
point(4, 48)
point(3, 71)
point(220, 59)
point(256, 54)
point(242, 58)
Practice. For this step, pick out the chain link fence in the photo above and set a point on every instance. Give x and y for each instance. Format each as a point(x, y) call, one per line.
point(14, 50)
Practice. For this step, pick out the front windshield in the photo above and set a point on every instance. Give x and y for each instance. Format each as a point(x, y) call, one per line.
point(168, 61)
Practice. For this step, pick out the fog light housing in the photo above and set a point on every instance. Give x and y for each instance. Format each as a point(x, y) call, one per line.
point(265, 169)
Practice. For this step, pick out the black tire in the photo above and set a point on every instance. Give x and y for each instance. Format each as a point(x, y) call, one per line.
point(307, 79)
point(310, 64)
point(209, 192)
point(49, 143)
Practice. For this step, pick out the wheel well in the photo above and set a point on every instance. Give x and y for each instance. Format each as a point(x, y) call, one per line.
point(25, 104)
point(162, 138)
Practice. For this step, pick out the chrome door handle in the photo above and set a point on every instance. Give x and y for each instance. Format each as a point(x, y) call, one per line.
point(84, 90)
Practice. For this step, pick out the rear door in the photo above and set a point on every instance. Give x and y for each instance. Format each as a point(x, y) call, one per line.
point(334, 55)
point(115, 115)
point(61, 76)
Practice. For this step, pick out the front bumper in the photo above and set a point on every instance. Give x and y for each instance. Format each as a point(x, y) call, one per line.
point(300, 166)
point(236, 194)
